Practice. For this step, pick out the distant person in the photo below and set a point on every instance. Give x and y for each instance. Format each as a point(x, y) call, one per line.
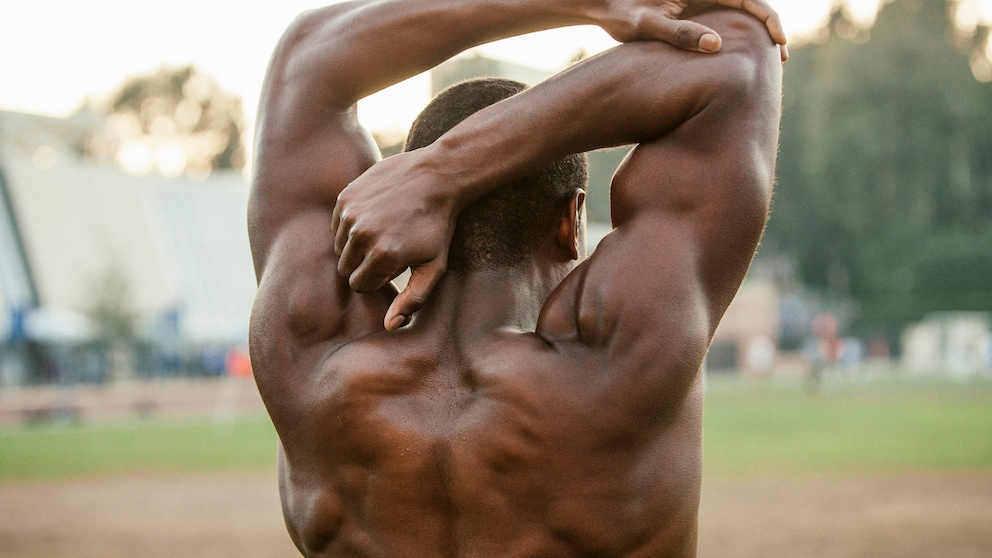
point(517, 398)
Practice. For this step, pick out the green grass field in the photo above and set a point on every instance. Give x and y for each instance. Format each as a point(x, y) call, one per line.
point(752, 429)
point(149, 445)
point(749, 428)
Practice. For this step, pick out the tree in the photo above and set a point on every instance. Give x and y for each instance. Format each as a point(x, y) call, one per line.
point(173, 121)
point(885, 177)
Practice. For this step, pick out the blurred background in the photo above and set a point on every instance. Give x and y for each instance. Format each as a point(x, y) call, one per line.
point(849, 407)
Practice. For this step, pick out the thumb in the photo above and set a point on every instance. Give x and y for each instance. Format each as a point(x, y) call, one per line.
point(422, 281)
point(687, 35)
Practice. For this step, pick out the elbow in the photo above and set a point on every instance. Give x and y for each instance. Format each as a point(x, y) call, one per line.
point(749, 58)
point(747, 41)
point(310, 50)
point(741, 31)
point(308, 24)
point(296, 36)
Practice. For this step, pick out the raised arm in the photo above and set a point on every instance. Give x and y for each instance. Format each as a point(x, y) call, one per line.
point(638, 93)
point(309, 145)
point(332, 57)
point(689, 204)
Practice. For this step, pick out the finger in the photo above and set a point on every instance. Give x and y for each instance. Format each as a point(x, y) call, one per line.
point(351, 257)
point(335, 223)
point(761, 10)
point(687, 35)
point(342, 235)
point(422, 281)
point(374, 272)
point(785, 52)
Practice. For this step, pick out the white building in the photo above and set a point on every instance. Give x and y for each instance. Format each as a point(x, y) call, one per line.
point(949, 343)
point(73, 231)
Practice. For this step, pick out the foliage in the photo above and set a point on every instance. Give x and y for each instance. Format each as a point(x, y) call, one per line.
point(885, 173)
point(173, 121)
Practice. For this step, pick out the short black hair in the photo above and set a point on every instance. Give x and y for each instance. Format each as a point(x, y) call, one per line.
point(506, 225)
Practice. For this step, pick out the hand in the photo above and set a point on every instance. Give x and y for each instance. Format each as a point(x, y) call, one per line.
point(391, 218)
point(633, 20)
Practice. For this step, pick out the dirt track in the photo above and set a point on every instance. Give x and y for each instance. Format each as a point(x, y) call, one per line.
point(920, 515)
point(905, 516)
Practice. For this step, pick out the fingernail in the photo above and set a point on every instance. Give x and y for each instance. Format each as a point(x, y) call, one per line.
point(709, 43)
point(396, 323)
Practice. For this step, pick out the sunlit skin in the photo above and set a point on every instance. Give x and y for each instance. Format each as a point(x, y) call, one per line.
point(552, 408)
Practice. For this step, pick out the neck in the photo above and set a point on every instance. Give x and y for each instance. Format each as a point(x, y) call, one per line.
point(489, 300)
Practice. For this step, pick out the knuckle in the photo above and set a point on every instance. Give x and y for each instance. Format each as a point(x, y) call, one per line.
point(359, 283)
point(684, 36)
point(355, 283)
point(414, 302)
point(358, 234)
point(346, 221)
point(638, 24)
point(389, 249)
point(378, 256)
point(440, 269)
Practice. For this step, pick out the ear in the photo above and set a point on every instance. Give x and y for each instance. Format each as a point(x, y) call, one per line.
point(570, 231)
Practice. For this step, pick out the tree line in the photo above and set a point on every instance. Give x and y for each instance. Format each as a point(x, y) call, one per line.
point(884, 191)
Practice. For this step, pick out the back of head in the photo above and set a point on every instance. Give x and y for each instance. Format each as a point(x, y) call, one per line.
point(504, 227)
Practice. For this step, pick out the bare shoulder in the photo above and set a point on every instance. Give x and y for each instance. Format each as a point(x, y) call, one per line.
point(688, 209)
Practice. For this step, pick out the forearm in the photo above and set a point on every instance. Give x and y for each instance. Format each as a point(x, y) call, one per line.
point(348, 51)
point(636, 93)
point(380, 42)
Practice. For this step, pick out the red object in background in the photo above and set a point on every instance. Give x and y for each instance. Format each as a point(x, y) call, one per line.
point(824, 326)
point(238, 364)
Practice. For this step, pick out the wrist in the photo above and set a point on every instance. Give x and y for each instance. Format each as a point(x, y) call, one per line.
point(432, 179)
point(585, 12)
point(450, 180)
point(469, 161)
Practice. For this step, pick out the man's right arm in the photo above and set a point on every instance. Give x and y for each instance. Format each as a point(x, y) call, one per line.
point(689, 204)
point(309, 146)
point(625, 20)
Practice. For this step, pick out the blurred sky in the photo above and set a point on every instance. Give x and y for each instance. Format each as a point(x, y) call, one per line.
point(55, 53)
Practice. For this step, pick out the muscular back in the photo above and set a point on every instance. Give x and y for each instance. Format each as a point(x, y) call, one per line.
point(431, 445)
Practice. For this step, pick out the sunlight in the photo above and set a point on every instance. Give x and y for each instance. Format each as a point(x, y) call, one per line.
point(136, 157)
point(48, 78)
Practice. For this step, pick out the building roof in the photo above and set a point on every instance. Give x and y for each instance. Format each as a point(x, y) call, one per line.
point(90, 230)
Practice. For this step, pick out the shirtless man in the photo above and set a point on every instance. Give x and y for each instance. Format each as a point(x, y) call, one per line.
point(537, 404)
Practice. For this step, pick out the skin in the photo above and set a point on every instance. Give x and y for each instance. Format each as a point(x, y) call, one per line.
point(549, 409)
